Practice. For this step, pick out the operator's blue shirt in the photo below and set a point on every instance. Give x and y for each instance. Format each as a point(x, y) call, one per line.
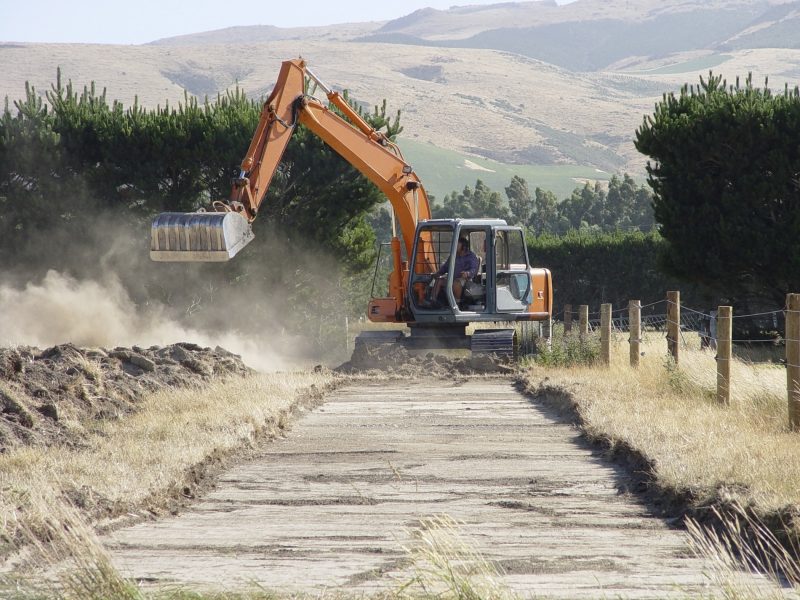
point(468, 262)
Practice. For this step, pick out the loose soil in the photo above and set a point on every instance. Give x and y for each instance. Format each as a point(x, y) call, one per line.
point(393, 361)
point(54, 396)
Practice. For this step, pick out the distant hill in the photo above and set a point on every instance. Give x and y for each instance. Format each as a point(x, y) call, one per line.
point(257, 34)
point(557, 91)
point(570, 40)
point(586, 35)
point(778, 27)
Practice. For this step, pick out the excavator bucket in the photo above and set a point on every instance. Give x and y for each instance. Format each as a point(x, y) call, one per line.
point(198, 237)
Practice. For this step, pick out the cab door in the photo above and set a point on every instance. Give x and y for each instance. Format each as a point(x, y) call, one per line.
point(513, 290)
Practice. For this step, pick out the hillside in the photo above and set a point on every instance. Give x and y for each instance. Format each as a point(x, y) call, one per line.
point(590, 35)
point(482, 102)
point(464, 78)
point(254, 34)
point(585, 35)
point(593, 45)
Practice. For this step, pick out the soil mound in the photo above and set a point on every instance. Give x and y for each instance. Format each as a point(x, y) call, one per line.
point(393, 359)
point(53, 396)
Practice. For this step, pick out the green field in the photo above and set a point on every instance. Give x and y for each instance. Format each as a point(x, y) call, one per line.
point(443, 171)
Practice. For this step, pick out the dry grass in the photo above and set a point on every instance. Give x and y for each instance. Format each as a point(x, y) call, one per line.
point(69, 563)
point(151, 457)
point(745, 560)
point(720, 457)
point(446, 565)
point(742, 452)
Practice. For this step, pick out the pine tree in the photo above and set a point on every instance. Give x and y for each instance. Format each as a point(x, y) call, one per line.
point(725, 171)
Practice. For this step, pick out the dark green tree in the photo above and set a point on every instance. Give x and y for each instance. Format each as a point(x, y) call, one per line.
point(725, 170)
point(546, 218)
point(39, 193)
point(628, 206)
point(318, 192)
point(585, 208)
point(80, 179)
point(519, 201)
point(591, 268)
point(539, 213)
point(643, 216)
point(381, 221)
point(83, 155)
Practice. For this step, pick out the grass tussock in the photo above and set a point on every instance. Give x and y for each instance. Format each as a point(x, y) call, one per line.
point(148, 459)
point(745, 559)
point(446, 566)
point(569, 350)
point(65, 559)
point(741, 453)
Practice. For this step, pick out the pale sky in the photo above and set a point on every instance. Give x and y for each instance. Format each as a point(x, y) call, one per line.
point(140, 21)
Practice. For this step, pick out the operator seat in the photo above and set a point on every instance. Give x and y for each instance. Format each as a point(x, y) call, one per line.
point(474, 295)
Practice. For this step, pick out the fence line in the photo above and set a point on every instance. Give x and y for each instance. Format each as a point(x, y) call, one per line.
point(715, 329)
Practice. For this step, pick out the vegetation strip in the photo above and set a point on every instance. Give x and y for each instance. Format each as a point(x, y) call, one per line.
point(696, 457)
point(152, 460)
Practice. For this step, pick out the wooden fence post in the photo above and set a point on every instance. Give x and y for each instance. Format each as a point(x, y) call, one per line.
point(567, 318)
point(674, 324)
point(605, 334)
point(635, 329)
point(583, 316)
point(793, 358)
point(547, 332)
point(724, 353)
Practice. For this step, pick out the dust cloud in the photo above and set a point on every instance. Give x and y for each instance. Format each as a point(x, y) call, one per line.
point(279, 304)
point(100, 312)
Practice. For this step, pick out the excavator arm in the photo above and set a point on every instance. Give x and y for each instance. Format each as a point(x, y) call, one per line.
point(367, 149)
point(219, 235)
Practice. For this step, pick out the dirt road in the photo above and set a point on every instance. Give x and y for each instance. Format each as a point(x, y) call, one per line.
point(330, 506)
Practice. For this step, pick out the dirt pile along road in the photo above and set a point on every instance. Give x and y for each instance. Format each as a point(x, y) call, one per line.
point(49, 396)
point(330, 506)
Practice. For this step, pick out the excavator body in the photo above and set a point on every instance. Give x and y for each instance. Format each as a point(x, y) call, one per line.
point(505, 289)
point(421, 285)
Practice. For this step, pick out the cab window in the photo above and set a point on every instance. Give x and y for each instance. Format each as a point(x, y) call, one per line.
point(513, 284)
point(434, 246)
point(433, 249)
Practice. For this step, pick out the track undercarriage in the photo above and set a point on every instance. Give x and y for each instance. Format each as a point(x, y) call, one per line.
point(501, 342)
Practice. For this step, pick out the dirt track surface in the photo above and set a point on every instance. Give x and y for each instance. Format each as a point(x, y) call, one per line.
point(330, 505)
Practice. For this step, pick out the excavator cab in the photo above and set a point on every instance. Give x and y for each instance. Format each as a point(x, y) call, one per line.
point(505, 288)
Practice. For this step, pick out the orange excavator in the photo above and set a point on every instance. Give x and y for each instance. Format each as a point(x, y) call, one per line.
point(424, 292)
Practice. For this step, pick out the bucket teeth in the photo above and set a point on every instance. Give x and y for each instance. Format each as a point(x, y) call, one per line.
point(198, 237)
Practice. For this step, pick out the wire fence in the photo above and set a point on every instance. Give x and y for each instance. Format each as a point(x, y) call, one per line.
point(716, 329)
point(701, 323)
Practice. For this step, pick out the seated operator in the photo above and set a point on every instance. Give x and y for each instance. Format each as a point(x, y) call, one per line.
point(466, 268)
